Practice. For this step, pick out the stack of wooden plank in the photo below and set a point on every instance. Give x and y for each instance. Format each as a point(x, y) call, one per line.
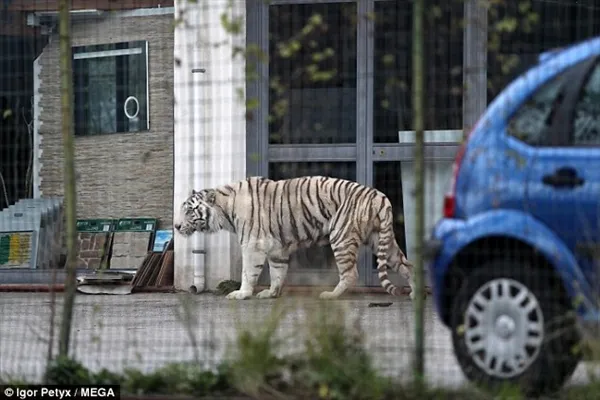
point(156, 270)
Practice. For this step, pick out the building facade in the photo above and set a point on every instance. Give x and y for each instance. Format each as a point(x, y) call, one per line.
point(124, 166)
point(216, 91)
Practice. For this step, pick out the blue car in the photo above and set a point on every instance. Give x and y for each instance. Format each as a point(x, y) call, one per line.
point(513, 261)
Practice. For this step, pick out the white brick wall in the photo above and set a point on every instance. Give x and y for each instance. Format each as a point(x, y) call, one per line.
point(210, 134)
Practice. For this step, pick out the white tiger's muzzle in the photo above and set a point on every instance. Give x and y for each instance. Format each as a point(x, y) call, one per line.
point(184, 225)
point(184, 229)
point(187, 227)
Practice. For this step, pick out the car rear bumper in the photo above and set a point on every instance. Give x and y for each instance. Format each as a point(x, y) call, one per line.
point(435, 259)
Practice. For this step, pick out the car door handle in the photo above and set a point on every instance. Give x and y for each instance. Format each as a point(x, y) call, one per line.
point(564, 177)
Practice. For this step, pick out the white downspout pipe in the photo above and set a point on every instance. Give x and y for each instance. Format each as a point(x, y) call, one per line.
point(188, 142)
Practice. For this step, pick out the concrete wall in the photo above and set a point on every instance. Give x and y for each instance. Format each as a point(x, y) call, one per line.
point(122, 174)
point(210, 131)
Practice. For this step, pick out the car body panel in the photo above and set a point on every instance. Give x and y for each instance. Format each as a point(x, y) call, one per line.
point(453, 235)
point(578, 228)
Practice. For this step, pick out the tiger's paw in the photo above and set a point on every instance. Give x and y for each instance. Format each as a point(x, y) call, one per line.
point(266, 294)
point(238, 295)
point(327, 296)
point(413, 295)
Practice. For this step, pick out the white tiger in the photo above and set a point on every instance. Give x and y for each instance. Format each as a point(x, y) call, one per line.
point(272, 219)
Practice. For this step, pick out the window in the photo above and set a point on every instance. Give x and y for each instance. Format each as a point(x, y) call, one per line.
point(586, 123)
point(531, 120)
point(513, 51)
point(392, 69)
point(312, 96)
point(111, 88)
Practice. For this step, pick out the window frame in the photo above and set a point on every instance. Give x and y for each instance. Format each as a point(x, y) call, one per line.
point(556, 131)
point(92, 51)
point(567, 115)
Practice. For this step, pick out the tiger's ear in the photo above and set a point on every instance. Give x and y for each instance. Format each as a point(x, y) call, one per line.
point(210, 196)
point(194, 192)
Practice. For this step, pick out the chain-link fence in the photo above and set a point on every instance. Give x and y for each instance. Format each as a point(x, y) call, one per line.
point(170, 96)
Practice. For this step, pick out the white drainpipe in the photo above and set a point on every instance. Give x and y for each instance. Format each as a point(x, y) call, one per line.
point(189, 142)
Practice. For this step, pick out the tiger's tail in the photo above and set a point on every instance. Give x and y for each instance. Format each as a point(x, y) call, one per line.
point(387, 240)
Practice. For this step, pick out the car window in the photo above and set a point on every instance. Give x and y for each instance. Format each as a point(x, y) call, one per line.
point(530, 121)
point(586, 122)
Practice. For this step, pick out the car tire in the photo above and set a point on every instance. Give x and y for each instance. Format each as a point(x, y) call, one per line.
point(535, 308)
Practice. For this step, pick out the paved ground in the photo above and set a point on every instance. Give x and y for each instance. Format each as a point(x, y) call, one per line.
point(146, 331)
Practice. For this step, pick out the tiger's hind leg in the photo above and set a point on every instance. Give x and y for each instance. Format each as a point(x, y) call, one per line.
point(278, 268)
point(400, 264)
point(346, 256)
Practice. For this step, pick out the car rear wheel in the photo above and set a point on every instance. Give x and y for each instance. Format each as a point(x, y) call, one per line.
point(511, 326)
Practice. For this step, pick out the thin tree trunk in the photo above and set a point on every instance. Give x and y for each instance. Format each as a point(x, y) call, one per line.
point(66, 79)
point(418, 123)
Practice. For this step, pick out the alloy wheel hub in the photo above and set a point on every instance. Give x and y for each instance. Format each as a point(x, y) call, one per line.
point(504, 328)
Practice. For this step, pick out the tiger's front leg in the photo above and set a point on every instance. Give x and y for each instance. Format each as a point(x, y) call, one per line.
point(252, 265)
point(278, 268)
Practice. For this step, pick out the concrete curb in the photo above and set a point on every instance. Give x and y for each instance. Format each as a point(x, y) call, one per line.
point(32, 287)
point(60, 287)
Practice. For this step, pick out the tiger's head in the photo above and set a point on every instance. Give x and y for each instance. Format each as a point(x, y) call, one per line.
point(198, 213)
